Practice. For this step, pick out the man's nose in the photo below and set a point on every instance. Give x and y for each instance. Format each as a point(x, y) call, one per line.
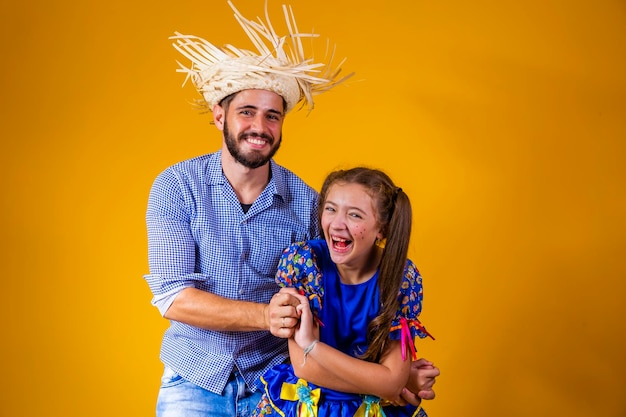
point(258, 123)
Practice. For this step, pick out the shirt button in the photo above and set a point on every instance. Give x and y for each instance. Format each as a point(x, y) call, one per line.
point(241, 292)
point(244, 256)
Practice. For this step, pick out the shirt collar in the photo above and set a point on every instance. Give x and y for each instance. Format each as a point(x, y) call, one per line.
point(215, 175)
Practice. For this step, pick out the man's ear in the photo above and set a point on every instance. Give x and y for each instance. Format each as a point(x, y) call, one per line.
point(218, 116)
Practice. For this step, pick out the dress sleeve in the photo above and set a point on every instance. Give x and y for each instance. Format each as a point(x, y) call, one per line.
point(406, 326)
point(298, 269)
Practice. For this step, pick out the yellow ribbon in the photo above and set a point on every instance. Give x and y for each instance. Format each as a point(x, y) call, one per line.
point(301, 392)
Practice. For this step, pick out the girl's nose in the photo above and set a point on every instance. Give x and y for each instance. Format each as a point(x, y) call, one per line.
point(338, 223)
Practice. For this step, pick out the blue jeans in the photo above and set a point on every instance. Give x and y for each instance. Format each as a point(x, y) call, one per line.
point(180, 398)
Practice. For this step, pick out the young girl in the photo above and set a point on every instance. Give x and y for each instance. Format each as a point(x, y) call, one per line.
point(360, 300)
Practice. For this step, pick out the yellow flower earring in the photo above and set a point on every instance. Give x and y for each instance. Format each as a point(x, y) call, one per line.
point(381, 242)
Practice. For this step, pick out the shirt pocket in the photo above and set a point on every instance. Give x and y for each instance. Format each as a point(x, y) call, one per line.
point(270, 244)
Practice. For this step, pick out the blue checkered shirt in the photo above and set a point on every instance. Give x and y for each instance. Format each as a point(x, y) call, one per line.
point(199, 236)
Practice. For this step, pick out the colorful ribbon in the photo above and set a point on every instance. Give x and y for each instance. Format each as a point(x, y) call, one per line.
point(405, 337)
point(405, 334)
point(370, 407)
point(301, 392)
point(416, 323)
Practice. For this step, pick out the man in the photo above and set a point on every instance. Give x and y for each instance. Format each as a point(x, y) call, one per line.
point(218, 223)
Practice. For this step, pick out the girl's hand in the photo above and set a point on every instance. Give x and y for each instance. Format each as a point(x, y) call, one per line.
point(420, 384)
point(306, 331)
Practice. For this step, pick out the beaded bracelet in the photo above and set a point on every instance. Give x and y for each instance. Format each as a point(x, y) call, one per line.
point(308, 350)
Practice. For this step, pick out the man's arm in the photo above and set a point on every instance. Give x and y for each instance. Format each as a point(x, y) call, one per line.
point(209, 311)
point(172, 258)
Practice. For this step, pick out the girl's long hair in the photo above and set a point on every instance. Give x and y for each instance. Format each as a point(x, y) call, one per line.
point(394, 216)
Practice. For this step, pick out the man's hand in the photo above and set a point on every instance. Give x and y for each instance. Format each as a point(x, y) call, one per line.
point(281, 315)
point(421, 381)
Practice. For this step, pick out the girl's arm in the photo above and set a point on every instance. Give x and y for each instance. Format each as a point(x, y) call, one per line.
point(331, 368)
point(313, 372)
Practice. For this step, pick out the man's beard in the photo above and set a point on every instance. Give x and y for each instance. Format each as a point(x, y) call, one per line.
point(254, 159)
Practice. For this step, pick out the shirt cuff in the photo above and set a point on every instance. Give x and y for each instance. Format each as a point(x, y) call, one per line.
point(164, 301)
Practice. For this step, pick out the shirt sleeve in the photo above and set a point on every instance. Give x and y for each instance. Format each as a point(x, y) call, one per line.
point(171, 247)
point(406, 324)
point(298, 269)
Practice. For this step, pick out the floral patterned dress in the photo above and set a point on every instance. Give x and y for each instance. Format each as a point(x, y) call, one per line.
point(345, 311)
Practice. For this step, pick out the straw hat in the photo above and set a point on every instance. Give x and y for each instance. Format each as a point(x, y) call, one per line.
point(278, 65)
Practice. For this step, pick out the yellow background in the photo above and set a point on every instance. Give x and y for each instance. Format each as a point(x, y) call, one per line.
point(503, 120)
